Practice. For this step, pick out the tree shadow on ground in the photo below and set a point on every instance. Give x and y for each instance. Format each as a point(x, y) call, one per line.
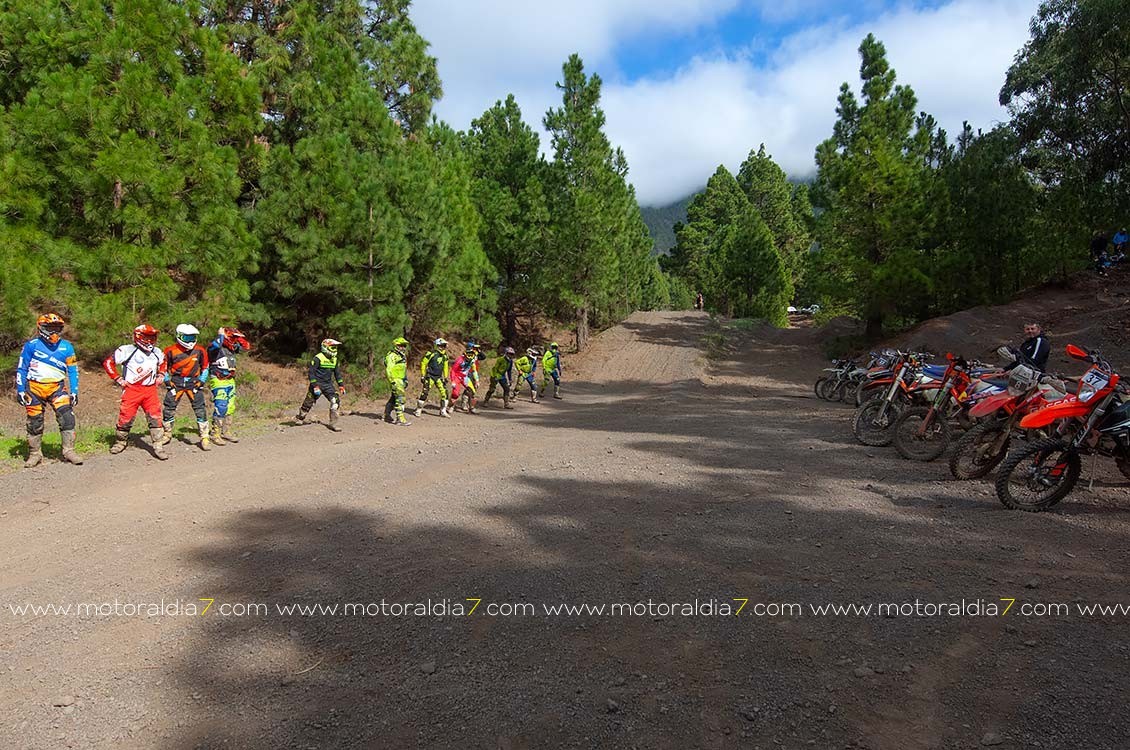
point(648, 680)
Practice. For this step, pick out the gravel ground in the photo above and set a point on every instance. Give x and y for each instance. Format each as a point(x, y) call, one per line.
point(669, 474)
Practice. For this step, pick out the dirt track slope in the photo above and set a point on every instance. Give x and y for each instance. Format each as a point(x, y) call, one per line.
point(673, 472)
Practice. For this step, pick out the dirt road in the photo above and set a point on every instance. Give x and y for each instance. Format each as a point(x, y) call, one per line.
point(671, 473)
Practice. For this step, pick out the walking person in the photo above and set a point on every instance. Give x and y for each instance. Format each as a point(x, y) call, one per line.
point(500, 375)
point(325, 382)
point(396, 370)
point(435, 372)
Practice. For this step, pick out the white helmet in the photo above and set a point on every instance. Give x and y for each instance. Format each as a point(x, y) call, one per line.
point(532, 352)
point(440, 343)
point(186, 335)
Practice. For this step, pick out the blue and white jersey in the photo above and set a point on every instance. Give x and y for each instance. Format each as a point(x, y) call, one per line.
point(42, 363)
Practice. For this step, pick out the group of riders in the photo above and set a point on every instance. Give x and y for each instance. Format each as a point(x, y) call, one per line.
point(47, 376)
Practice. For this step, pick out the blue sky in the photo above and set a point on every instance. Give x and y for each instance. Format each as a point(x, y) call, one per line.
point(691, 84)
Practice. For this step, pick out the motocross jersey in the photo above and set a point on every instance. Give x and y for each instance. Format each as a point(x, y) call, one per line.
point(221, 360)
point(396, 367)
point(185, 366)
point(139, 367)
point(325, 373)
point(436, 364)
point(551, 361)
point(526, 365)
point(503, 366)
point(466, 368)
point(42, 363)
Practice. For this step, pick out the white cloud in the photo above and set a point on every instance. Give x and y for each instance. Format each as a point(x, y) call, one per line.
point(677, 129)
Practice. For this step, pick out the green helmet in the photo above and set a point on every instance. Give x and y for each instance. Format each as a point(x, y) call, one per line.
point(400, 342)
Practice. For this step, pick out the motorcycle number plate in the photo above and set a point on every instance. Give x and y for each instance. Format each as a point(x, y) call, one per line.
point(1096, 379)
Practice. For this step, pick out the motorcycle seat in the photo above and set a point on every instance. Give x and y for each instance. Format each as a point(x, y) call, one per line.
point(998, 382)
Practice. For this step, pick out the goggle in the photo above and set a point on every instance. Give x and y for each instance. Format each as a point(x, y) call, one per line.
point(188, 338)
point(52, 327)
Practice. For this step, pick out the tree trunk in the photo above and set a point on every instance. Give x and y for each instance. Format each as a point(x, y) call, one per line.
point(510, 326)
point(582, 328)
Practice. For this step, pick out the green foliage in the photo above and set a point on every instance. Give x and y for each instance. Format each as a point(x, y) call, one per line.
point(601, 248)
point(126, 175)
point(760, 285)
point(875, 177)
point(510, 196)
point(1068, 91)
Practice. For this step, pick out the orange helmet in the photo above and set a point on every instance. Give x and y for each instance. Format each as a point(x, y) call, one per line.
point(50, 328)
point(145, 337)
point(233, 338)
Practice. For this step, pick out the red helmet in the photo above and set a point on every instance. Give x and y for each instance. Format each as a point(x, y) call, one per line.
point(145, 337)
point(50, 328)
point(233, 338)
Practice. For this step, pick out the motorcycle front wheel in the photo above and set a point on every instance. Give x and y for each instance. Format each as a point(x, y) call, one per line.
point(917, 441)
point(973, 456)
point(872, 428)
point(1038, 475)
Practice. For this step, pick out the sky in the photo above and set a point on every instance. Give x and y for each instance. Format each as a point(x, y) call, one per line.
point(691, 84)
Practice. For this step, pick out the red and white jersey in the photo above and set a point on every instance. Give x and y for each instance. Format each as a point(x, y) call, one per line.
point(137, 366)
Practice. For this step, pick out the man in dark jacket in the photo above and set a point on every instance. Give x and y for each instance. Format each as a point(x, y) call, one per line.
point(1035, 349)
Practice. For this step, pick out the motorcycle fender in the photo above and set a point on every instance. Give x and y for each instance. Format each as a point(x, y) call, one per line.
point(990, 405)
point(1069, 408)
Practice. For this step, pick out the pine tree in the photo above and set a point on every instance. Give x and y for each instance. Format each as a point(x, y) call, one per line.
point(769, 192)
point(699, 255)
point(128, 113)
point(872, 175)
point(759, 281)
point(587, 200)
point(509, 193)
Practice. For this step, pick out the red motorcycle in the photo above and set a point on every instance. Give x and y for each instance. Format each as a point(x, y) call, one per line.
point(978, 451)
point(1096, 420)
point(922, 433)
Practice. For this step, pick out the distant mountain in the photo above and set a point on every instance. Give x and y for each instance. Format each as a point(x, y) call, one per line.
point(661, 223)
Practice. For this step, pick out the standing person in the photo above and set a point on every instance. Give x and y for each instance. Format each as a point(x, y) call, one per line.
point(1120, 240)
point(325, 381)
point(396, 370)
point(435, 372)
point(1098, 252)
point(527, 366)
point(698, 301)
point(186, 372)
point(500, 376)
point(222, 355)
point(551, 368)
point(1035, 349)
point(465, 377)
point(46, 363)
point(142, 365)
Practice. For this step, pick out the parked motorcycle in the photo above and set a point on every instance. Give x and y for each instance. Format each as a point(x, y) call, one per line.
point(978, 451)
point(1096, 420)
point(873, 421)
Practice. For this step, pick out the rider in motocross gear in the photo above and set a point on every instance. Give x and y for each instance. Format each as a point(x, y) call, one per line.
point(142, 366)
point(186, 373)
point(222, 357)
point(47, 375)
point(435, 372)
point(396, 370)
point(325, 381)
point(500, 376)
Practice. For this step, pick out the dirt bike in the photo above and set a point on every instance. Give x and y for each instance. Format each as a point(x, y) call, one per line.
point(1094, 421)
point(875, 418)
point(921, 433)
point(832, 386)
point(978, 451)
